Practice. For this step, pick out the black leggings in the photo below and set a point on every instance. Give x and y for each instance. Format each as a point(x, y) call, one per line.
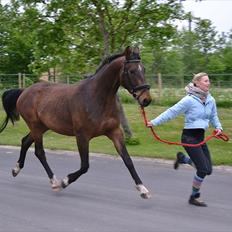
point(199, 155)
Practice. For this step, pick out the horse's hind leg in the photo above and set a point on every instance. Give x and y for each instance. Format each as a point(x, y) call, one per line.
point(117, 137)
point(40, 154)
point(26, 143)
point(83, 147)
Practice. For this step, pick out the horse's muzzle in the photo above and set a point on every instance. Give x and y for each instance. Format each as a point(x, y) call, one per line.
point(145, 102)
point(143, 97)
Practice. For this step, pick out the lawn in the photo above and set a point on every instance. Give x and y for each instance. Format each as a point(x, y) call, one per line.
point(147, 147)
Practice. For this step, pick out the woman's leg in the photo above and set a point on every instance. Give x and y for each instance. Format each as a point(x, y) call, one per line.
point(200, 156)
point(181, 158)
point(199, 160)
point(207, 159)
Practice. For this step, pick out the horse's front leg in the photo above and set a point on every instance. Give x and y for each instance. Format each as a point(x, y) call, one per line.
point(26, 143)
point(83, 147)
point(117, 137)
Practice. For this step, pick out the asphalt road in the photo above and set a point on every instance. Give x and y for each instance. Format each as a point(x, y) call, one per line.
point(105, 200)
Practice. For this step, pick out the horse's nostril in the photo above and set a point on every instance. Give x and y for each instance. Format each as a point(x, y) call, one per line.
point(146, 102)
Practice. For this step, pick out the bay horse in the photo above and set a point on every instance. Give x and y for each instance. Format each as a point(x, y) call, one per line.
point(85, 110)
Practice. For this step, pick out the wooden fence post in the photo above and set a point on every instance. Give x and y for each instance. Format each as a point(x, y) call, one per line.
point(24, 81)
point(20, 80)
point(160, 87)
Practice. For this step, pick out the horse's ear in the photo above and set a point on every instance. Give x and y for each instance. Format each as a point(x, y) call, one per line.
point(127, 52)
point(136, 50)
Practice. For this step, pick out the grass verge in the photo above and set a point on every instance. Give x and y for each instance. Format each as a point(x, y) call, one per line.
point(147, 146)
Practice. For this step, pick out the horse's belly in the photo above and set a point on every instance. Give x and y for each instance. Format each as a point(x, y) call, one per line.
point(63, 132)
point(60, 128)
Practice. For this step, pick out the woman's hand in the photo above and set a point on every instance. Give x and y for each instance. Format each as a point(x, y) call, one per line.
point(218, 131)
point(149, 124)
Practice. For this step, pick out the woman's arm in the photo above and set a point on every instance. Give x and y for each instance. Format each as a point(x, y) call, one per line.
point(214, 120)
point(179, 108)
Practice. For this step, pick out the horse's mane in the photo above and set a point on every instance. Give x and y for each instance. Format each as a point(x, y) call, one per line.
point(105, 61)
point(109, 59)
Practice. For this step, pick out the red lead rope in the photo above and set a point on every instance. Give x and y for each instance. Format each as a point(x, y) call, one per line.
point(222, 136)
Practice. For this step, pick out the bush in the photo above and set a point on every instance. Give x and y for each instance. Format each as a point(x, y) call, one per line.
point(132, 141)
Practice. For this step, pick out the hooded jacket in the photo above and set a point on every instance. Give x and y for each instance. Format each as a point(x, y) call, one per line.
point(197, 114)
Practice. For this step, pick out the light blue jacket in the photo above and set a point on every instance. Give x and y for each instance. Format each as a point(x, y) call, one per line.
point(197, 114)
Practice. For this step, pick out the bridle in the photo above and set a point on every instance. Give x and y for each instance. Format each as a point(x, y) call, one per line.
point(134, 89)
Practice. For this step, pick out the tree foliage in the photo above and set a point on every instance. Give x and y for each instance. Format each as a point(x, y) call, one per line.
point(74, 35)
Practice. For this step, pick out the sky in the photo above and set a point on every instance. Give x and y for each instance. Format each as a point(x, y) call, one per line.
point(218, 11)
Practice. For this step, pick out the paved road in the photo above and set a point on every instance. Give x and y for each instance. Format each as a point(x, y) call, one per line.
point(105, 200)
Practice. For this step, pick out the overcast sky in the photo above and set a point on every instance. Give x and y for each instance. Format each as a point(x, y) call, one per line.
point(218, 11)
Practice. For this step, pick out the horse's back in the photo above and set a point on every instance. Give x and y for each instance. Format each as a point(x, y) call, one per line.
point(35, 94)
point(47, 104)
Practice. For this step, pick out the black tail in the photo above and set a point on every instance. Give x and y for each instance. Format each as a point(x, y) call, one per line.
point(9, 99)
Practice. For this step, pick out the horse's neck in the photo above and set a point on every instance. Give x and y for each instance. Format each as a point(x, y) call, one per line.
point(107, 82)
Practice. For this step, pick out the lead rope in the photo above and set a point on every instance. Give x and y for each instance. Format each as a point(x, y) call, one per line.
point(222, 136)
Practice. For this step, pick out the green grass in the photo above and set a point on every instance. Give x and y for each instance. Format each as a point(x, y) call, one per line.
point(169, 96)
point(147, 146)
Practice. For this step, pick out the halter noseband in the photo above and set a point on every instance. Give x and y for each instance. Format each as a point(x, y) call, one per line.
point(133, 90)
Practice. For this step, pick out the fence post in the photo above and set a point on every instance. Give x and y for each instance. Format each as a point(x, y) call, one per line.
point(24, 79)
point(159, 87)
point(20, 80)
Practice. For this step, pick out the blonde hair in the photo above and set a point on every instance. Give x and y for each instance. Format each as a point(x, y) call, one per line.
point(198, 76)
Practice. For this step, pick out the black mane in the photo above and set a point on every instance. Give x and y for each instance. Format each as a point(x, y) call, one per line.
point(108, 60)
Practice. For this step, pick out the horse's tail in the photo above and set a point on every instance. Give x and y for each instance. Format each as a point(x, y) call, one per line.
point(9, 100)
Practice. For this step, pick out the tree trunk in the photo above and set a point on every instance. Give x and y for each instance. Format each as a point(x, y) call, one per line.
point(105, 35)
point(124, 121)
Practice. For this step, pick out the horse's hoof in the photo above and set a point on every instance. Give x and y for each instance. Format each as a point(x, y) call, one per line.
point(14, 173)
point(144, 193)
point(16, 170)
point(56, 184)
point(56, 188)
point(64, 182)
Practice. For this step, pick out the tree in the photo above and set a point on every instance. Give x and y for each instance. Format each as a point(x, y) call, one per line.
point(205, 38)
point(226, 54)
point(67, 33)
point(74, 34)
point(198, 44)
point(16, 51)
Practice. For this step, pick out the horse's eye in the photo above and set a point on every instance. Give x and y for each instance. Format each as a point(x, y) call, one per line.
point(132, 72)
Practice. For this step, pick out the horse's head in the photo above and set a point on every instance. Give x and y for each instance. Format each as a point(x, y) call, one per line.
point(133, 77)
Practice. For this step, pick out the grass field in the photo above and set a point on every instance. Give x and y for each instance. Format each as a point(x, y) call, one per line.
point(147, 147)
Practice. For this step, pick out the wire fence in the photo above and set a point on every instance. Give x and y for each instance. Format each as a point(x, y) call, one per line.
point(163, 87)
point(20, 80)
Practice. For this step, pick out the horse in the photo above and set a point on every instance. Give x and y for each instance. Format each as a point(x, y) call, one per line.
point(86, 109)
